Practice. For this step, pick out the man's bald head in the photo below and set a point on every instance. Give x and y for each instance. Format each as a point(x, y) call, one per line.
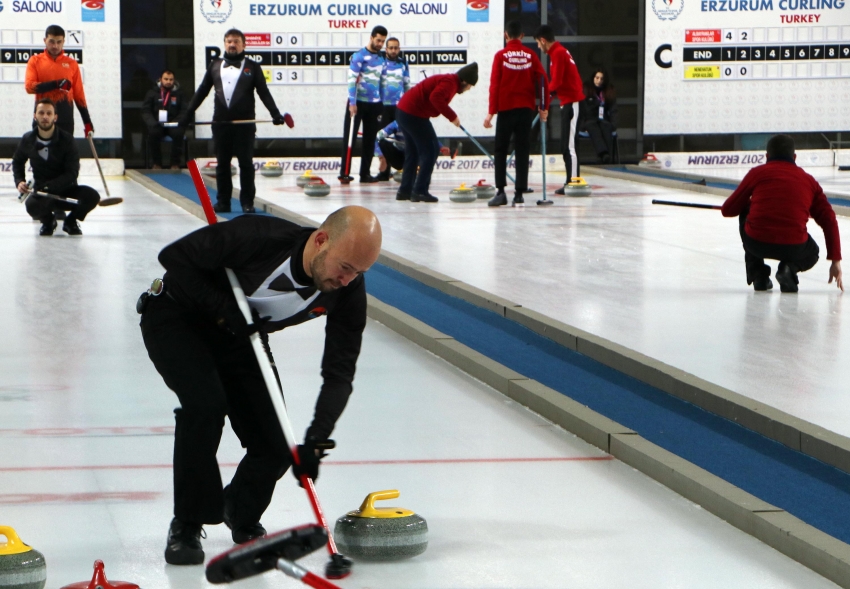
point(346, 244)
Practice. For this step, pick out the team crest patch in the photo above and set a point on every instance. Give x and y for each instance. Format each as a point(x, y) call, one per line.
point(667, 9)
point(317, 312)
point(247, 71)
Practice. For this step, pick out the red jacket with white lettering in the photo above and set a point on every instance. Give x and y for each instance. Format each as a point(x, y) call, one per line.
point(780, 197)
point(431, 97)
point(564, 79)
point(516, 79)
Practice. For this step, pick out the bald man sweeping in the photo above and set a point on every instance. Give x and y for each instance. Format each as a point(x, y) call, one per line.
point(199, 342)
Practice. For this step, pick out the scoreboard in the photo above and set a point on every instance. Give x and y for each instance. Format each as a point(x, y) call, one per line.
point(764, 67)
point(305, 50)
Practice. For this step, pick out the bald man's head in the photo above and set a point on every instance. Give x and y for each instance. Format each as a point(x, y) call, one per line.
point(343, 247)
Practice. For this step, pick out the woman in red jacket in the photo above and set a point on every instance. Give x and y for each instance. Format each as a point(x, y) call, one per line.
point(429, 98)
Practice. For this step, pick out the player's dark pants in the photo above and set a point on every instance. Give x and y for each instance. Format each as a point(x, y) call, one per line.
point(517, 123)
point(393, 155)
point(155, 137)
point(569, 131)
point(43, 207)
point(387, 115)
point(238, 141)
point(368, 113)
point(601, 135)
point(800, 257)
point(214, 374)
point(421, 148)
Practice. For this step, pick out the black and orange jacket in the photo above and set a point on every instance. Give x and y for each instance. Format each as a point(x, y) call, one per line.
point(43, 75)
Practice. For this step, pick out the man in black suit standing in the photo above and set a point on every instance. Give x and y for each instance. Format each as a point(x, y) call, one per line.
point(234, 78)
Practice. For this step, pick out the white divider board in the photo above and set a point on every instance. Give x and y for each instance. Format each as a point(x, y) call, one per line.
point(806, 158)
point(88, 167)
point(92, 37)
point(305, 53)
point(746, 66)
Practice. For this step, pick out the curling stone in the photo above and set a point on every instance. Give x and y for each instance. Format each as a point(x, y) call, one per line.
point(577, 187)
point(397, 176)
point(462, 194)
point(271, 170)
point(21, 567)
point(303, 179)
point(381, 533)
point(317, 187)
point(484, 190)
point(98, 581)
point(209, 169)
point(649, 161)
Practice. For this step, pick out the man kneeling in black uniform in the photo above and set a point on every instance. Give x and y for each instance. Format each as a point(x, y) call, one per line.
point(198, 340)
point(55, 165)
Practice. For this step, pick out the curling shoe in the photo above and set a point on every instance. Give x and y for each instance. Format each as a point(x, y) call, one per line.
point(183, 546)
point(402, 196)
point(762, 284)
point(71, 226)
point(369, 180)
point(221, 207)
point(518, 200)
point(384, 176)
point(499, 200)
point(787, 278)
point(248, 209)
point(423, 198)
point(560, 191)
point(48, 227)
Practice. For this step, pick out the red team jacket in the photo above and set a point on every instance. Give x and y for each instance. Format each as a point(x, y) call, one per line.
point(564, 79)
point(516, 78)
point(431, 97)
point(781, 196)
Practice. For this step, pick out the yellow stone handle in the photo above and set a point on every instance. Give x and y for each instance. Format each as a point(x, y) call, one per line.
point(367, 509)
point(13, 545)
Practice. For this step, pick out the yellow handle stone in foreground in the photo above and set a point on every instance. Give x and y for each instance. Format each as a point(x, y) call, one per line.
point(368, 509)
point(14, 545)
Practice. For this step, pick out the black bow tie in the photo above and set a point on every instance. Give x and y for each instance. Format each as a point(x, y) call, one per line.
point(228, 64)
point(283, 284)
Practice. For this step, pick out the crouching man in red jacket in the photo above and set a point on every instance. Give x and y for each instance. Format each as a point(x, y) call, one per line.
point(773, 203)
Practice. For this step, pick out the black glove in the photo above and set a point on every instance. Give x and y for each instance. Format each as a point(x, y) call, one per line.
point(310, 454)
point(233, 321)
point(278, 120)
point(63, 84)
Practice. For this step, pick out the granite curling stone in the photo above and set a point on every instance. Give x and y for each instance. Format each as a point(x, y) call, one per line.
point(381, 534)
point(317, 187)
point(271, 169)
point(302, 180)
point(21, 567)
point(397, 176)
point(483, 190)
point(650, 161)
point(210, 167)
point(463, 194)
point(98, 581)
point(578, 187)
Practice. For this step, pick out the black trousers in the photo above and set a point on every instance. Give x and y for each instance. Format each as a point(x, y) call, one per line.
point(367, 113)
point(387, 115)
point(569, 132)
point(155, 137)
point(393, 155)
point(601, 135)
point(238, 141)
point(800, 257)
point(514, 123)
point(43, 207)
point(214, 374)
point(421, 148)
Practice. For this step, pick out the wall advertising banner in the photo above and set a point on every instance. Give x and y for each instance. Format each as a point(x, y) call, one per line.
point(305, 48)
point(92, 38)
point(746, 66)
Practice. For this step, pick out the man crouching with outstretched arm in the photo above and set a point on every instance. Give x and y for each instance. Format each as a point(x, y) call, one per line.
point(198, 341)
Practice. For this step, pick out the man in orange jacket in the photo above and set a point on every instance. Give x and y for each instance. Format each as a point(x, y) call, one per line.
point(56, 76)
point(517, 83)
point(565, 82)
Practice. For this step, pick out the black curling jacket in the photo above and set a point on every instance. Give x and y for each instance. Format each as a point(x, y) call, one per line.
point(242, 102)
point(55, 174)
point(176, 105)
point(266, 254)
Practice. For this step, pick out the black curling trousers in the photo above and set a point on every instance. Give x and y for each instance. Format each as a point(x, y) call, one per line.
point(214, 374)
point(368, 113)
point(238, 141)
point(800, 257)
point(43, 207)
point(517, 123)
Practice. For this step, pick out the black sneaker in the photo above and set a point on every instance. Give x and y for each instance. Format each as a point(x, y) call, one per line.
point(402, 196)
point(423, 198)
point(48, 227)
point(528, 191)
point(384, 176)
point(560, 191)
point(248, 209)
point(345, 179)
point(184, 543)
point(762, 284)
point(221, 207)
point(71, 226)
point(499, 200)
point(787, 278)
point(518, 200)
point(368, 180)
